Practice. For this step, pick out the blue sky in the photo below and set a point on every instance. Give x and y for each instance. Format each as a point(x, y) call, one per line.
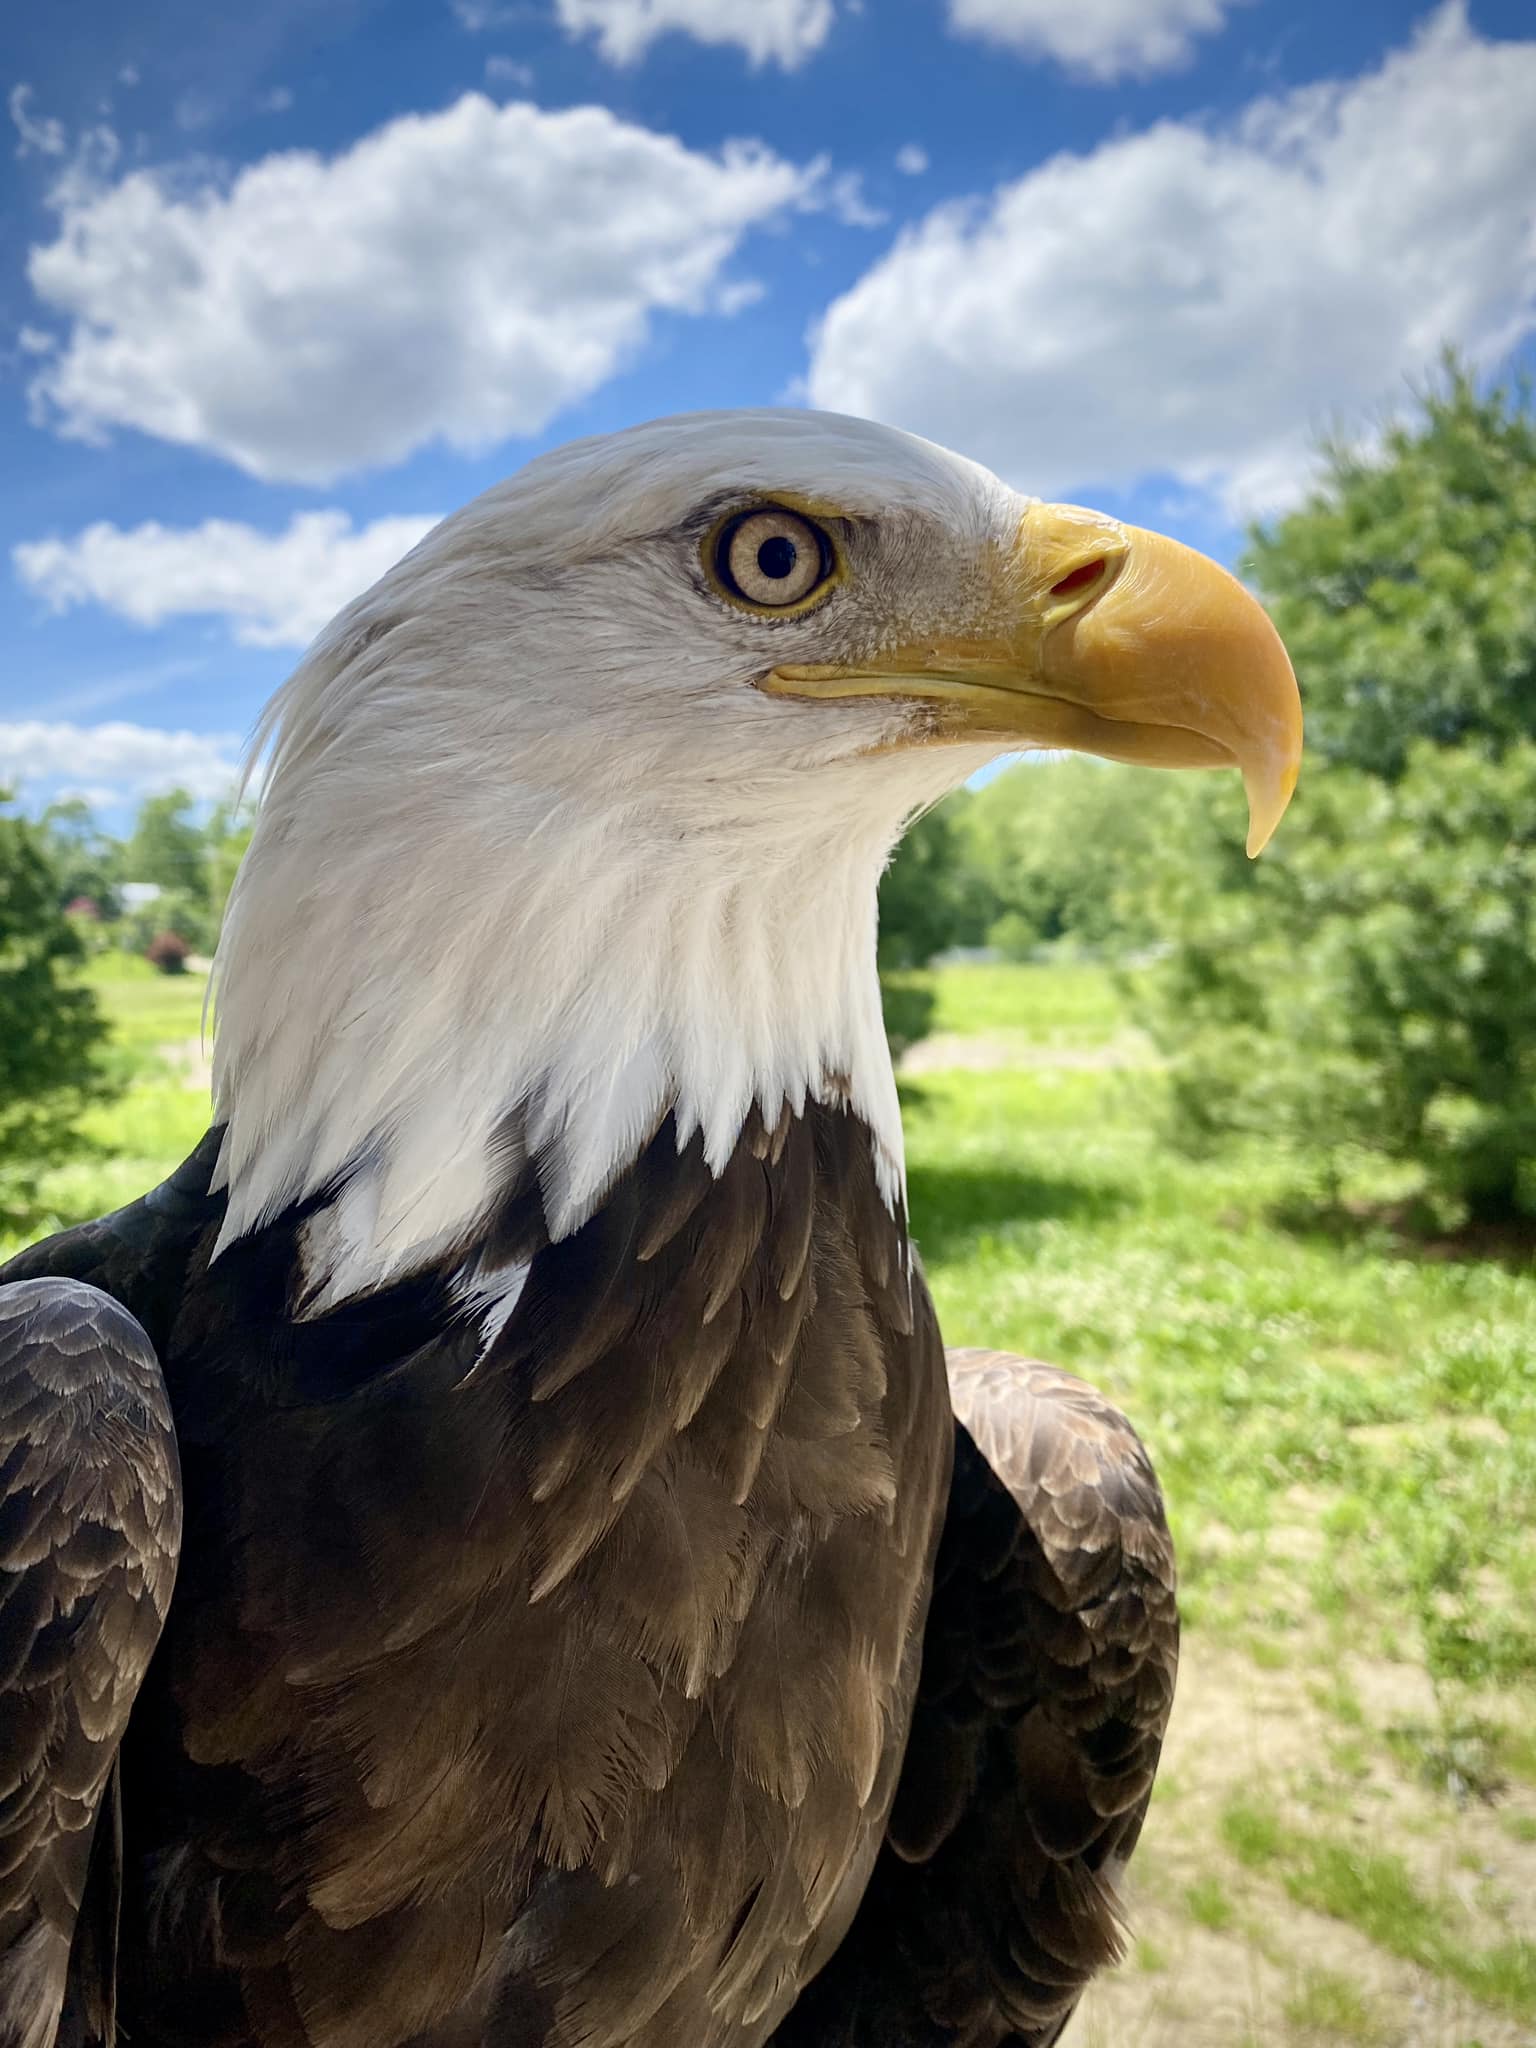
point(276, 291)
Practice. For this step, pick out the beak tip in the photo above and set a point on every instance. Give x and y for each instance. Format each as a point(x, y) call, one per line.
point(1269, 795)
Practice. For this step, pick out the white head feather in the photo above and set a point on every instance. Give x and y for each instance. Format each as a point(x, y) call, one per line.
point(535, 854)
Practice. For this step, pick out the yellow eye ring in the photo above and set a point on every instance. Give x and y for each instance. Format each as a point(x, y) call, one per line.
point(771, 561)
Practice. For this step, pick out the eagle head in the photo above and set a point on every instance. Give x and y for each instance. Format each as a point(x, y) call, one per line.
point(576, 819)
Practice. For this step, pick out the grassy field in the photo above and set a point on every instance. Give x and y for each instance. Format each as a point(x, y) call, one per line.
point(1343, 1842)
point(157, 1034)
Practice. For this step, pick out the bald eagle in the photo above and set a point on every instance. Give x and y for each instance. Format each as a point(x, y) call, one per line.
point(492, 1551)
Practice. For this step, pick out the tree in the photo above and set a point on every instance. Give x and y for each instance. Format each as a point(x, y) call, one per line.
point(1369, 982)
point(168, 952)
point(50, 1027)
point(1062, 849)
point(929, 899)
point(1406, 590)
point(171, 850)
point(86, 860)
point(226, 838)
point(168, 848)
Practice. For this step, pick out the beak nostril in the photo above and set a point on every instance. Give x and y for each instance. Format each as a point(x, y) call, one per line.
point(1080, 578)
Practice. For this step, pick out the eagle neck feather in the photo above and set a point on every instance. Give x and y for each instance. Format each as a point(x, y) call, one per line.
point(536, 1000)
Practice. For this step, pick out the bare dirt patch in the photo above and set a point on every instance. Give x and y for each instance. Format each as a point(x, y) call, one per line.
point(191, 1060)
point(1263, 1739)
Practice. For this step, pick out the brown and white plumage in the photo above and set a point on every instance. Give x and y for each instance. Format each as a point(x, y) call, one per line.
point(565, 1435)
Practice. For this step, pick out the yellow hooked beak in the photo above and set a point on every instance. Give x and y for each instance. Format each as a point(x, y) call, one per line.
point(1108, 640)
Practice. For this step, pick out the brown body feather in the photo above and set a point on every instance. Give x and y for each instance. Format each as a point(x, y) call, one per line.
point(90, 1523)
point(554, 1694)
point(1048, 1672)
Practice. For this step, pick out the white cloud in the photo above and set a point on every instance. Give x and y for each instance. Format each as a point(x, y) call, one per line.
point(911, 159)
point(277, 101)
point(458, 276)
point(117, 686)
point(1202, 301)
point(1099, 40)
point(275, 589)
point(507, 71)
point(844, 196)
point(39, 132)
point(195, 111)
point(98, 796)
point(121, 760)
point(478, 15)
point(783, 32)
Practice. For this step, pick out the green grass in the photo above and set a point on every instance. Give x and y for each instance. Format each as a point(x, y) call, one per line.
point(1251, 1832)
point(148, 1009)
point(1375, 1892)
point(1378, 1894)
point(1329, 2005)
point(135, 1141)
point(1517, 1748)
point(1054, 1218)
point(1052, 1005)
point(1208, 1902)
point(1381, 1403)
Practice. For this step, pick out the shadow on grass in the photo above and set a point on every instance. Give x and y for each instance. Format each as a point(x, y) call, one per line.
point(951, 1205)
point(1410, 1229)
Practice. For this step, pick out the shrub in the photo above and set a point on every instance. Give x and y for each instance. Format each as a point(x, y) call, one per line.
point(168, 951)
point(1372, 985)
point(1369, 983)
point(928, 899)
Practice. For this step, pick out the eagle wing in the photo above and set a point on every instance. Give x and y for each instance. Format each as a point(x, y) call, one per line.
point(90, 1528)
point(1048, 1670)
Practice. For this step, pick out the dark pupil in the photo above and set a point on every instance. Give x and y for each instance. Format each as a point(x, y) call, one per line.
point(776, 557)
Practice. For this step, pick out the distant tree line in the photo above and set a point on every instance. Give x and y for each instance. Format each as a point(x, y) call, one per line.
point(190, 860)
point(1050, 854)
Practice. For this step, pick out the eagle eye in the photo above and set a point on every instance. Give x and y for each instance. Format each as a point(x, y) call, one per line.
point(770, 559)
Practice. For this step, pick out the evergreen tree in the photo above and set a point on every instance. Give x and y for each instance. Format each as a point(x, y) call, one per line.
point(1371, 981)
